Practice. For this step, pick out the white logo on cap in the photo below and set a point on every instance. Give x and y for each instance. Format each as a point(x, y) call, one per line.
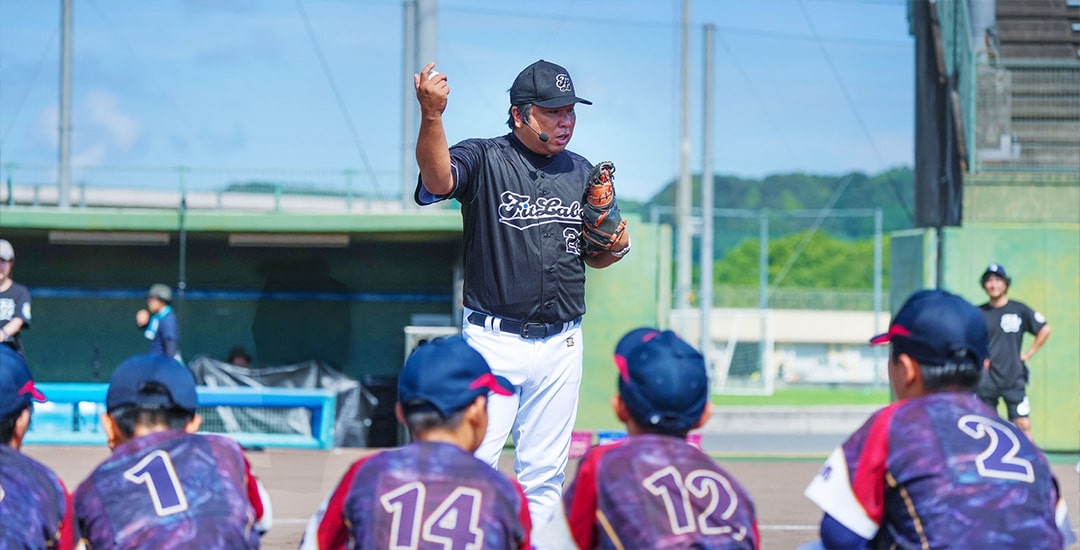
point(562, 82)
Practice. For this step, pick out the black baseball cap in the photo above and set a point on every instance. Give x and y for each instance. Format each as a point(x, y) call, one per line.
point(662, 379)
point(544, 84)
point(447, 375)
point(132, 383)
point(936, 327)
point(16, 384)
point(995, 269)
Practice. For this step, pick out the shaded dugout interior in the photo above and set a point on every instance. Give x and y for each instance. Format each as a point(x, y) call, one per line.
point(344, 297)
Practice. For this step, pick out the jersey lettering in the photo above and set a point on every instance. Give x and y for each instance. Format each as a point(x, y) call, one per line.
point(705, 485)
point(454, 524)
point(999, 459)
point(516, 211)
point(571, 236)
point(156, 471)
point(2, 493)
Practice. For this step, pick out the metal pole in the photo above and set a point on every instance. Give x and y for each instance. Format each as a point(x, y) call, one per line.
point(683, 191)
point(707, 203)
point(64, 183)
point(763, 294)
point(410, 65)
point(763, 260)
point(877, 292)
point(349, 173)
point(939, 250)
point(181, 283)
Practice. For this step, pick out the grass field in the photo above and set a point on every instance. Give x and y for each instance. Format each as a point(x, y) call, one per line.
point(594, 411)
point(809, 396)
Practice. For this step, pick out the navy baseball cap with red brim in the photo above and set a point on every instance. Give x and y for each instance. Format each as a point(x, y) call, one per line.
point(937, 327)
point(662, 379)
point(16, 383)
point(447, 375)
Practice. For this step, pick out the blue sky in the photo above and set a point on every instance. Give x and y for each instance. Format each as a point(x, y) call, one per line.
point(236, 90)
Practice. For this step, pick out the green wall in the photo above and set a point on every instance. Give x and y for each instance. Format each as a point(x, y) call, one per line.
point(1044, 263)
point(620, 298)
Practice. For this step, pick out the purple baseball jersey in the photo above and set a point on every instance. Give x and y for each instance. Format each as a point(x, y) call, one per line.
point(657, 491)
point(171, 490)
point(423, 495)
point(942, 471)
point(34, 510)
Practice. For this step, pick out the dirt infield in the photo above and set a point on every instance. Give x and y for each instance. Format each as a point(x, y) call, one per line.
point(299, 480)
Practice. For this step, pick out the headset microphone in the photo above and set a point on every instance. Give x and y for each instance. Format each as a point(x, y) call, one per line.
point(543, 136)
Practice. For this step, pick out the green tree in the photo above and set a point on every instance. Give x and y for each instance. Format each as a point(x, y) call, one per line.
point(816, 261)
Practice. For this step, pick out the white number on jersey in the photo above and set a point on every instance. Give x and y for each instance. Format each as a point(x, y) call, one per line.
point(703, 485)
point(156, 471)
point(999, 459)
point(455, 523)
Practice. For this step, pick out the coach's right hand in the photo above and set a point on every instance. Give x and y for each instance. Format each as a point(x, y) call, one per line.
point(432, 151)
point(432, 90)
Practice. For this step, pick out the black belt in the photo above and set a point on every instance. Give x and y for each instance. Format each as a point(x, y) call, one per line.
point(530, 330)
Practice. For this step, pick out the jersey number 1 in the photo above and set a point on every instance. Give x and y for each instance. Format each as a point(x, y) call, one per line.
point(156, 471)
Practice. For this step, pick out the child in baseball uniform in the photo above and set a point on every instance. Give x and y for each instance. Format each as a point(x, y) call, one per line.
point(35, 511)
point(938, 468)
point(166, 486)
point(653, 489)
point(431, 493)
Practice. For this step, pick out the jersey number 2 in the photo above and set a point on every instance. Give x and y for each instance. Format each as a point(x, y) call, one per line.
point(156, 471)
point(677, 492)
point(999, 460)
point(454, 524)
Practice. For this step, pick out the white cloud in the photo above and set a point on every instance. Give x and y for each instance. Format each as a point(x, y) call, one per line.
point(101, 129)
point(106, 122)
point(95, 155)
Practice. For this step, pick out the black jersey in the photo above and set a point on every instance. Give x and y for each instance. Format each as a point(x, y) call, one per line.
point(15, 303)
point(1005, 327)
point(521, 215)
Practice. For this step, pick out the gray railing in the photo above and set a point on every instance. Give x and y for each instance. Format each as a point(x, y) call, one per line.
point(798, 298)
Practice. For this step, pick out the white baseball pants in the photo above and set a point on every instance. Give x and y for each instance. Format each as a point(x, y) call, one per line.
point(546, 374)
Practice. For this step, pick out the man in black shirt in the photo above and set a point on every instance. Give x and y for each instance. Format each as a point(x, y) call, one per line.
point(524, 290)
point(1006, 322)
point(14, 301)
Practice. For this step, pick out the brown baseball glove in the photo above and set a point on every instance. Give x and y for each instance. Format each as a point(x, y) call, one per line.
point(601, 222)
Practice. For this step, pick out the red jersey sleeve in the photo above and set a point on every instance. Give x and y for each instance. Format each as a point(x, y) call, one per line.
point(333, 532)
point(580, 500)
point(67, 538)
